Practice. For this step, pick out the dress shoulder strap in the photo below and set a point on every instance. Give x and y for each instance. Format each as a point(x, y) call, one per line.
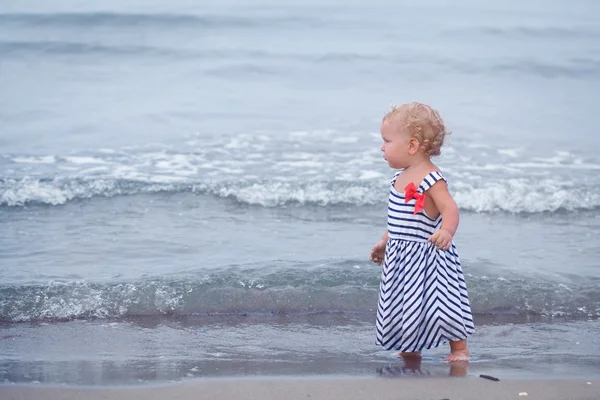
point(396, 175)
point(430, 180)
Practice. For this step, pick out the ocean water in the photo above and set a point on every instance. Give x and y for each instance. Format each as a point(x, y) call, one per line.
point(190, 189)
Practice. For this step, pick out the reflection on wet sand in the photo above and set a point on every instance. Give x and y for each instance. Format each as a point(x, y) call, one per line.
point(411, 367)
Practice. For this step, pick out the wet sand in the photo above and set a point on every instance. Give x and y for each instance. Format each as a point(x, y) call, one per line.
point(331, 388)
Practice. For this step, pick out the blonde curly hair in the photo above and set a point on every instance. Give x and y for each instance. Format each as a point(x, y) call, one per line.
point(422, 122)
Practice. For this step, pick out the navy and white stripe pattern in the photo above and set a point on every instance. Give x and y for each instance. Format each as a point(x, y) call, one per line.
point(423, 299)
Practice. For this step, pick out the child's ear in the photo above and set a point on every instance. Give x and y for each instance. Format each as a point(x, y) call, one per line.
point(413, 146)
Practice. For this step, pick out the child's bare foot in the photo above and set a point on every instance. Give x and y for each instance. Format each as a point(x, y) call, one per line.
point(414, 354)
point(458, 351)
point(458, 355)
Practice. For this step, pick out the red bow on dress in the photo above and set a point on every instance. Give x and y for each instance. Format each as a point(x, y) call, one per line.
point(410, 192)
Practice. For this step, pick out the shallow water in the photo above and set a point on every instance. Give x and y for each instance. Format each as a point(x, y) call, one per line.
point(160, 350)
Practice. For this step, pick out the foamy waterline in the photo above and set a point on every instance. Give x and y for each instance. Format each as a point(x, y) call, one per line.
point(513, 196)
point(309, 292)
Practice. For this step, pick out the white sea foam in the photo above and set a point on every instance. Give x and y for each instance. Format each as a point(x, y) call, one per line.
point(301, 168)
point(478, 146)
point(237, 143)
point(301, 164)
point(347, 139)
point(276, 194)
point(369, 187)
point(354, 290)
point(166, 179)
point(554, 165)
point(84, 160)
point(35, 160)
point(368, 175)
point(92, 171)
point(27, 190)
point(522, 196)
point(512, 153)
point(235, 171)
point(177, 164)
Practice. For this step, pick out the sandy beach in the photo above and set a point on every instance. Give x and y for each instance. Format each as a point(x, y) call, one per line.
point(347, 388)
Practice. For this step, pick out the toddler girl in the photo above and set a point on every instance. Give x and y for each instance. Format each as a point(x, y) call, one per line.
point(423, 299)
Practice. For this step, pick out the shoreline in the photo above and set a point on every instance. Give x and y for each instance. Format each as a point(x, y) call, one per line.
point(329, 387)
point(151, 352)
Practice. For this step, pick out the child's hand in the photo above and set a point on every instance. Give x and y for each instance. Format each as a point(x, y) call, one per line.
point(378, 252)
point(442, 239)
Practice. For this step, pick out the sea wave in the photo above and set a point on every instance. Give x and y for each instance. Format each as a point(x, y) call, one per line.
point(149, 20)
point(289, 292)
point(515, 31)
point(45, 47)
point(510, 196)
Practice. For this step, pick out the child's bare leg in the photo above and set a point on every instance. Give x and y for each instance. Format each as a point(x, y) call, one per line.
point(412, 364)
point(458, 351)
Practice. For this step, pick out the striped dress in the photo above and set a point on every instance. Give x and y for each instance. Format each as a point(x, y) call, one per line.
point(423, 299)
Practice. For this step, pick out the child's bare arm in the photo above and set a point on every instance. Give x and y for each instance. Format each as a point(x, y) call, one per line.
point(447, 207)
